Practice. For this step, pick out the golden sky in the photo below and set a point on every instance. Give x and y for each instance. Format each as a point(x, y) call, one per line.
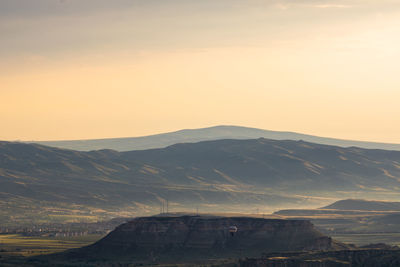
point(80, 69)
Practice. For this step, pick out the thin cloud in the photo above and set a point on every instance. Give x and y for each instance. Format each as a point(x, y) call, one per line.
point(332, 6)
point(285, 4)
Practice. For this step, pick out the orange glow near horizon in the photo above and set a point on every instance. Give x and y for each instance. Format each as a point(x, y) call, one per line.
point(335, 76)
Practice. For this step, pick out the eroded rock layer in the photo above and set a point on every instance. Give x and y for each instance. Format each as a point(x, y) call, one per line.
point(191, 237)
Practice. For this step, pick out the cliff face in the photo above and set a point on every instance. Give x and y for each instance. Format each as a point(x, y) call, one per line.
point(198, 237)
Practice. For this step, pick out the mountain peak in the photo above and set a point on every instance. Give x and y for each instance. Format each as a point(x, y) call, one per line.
point(217, 132)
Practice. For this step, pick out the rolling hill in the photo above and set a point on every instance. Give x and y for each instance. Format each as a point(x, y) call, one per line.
point(364, 205)
point(205, 134)
point(352, 216)
point(229, 175)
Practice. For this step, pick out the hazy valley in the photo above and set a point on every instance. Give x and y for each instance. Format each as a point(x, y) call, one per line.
point(54, 199)
point(260, 174)
point(174, 133)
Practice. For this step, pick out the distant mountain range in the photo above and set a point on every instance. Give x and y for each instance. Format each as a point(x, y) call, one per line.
point(229, 175)
point(205, 134)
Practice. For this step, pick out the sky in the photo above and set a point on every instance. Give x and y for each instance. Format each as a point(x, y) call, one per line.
point(83, 69)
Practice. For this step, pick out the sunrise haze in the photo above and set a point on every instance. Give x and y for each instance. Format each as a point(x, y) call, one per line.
point(97, 69)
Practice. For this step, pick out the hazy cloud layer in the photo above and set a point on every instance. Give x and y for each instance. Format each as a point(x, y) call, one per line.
point(123, 68)
point(43, 27)
point(75, 7)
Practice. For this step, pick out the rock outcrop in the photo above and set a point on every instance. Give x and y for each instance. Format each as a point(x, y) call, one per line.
point(195, 237)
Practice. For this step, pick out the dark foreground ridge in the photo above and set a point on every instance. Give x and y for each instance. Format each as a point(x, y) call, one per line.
point(345, 258)
point(175, 239)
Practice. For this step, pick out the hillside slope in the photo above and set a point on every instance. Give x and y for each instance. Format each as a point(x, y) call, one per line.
point(205, 134)
point(364, 205)
point(223, 174)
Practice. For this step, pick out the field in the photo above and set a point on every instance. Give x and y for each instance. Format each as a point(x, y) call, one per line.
point(18, 245)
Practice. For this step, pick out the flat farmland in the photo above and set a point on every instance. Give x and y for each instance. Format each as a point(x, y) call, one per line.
point(18, 245)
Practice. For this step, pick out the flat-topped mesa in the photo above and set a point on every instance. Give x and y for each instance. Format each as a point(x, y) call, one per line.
point(196, 237)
